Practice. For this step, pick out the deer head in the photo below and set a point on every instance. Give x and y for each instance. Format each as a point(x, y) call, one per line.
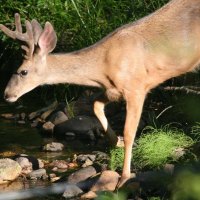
point(32, 71)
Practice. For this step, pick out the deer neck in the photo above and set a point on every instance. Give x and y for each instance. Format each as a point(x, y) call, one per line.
point(80, 67)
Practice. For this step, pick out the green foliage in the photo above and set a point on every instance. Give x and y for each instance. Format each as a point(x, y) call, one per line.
point(158, 147)
point(196, 131)
point(116, 158)
point(186, 186)
point(154, 149)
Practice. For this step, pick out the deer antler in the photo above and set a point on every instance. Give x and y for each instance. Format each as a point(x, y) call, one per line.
point(30, 37)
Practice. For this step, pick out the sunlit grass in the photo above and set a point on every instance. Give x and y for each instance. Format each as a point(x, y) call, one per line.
point(154, 149)
point(157, 147)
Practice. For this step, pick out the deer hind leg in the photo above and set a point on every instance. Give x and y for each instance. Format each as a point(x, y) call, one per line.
point(134, 109)
point(99, 106)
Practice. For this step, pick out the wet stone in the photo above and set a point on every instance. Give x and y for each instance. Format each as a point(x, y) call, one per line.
point(8, 116)
point(81, 175)
point(106, 182)
point(21, 122)
point(53, 146)
point(48, 127)
point(37, 174)
point(58, 117)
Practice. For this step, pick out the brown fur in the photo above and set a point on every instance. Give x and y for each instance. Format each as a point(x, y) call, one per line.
point(127, 63)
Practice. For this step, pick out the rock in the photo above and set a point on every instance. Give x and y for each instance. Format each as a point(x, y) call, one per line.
point(37, 174)
point(21, 122)
point(58, 117)
point(81, 175)
point(169, 168)
point(48, 127)
point(72, 191)
point(106, 182)
point(25, 165)
point(87, 163)
point(12, 186)
point(179, 152)
point(23, 116)
point(70, 136)
point(8, 116)
point(53, 146)
point(89, 195)
point(9, 170)
point(37, 122)
point(28, 163)
point(41, 163)
point(61, 164)
point(37, 113)
point(84, 127)
point(83, 157)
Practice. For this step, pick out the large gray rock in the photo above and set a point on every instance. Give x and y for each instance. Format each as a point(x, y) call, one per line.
point(58, 117)
point(9, 170)
point(106, 182)
point(81, 175)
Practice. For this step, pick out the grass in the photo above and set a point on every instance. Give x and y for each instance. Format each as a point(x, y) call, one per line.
point(154, 149)
point(158, 147)
point(196, 131)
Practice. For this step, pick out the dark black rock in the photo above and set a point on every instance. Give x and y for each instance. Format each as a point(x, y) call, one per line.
point(84, 127)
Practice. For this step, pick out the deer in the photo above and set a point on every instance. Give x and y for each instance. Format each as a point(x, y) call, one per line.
point(126, 64)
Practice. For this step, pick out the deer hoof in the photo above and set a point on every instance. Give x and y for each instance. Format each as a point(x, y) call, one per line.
point(122, 181)
point(120, 142)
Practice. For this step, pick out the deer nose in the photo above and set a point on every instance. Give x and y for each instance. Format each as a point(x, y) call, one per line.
point(7, 96)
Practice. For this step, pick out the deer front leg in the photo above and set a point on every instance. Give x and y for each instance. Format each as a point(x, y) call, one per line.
point(99, 106)
point(134, 110)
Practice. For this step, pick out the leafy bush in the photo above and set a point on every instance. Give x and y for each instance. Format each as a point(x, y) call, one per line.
point(158, 147)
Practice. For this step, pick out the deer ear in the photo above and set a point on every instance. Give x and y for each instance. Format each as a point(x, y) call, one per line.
point(48, 39)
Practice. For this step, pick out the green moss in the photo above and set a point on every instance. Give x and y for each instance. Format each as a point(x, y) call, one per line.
point(157, 147)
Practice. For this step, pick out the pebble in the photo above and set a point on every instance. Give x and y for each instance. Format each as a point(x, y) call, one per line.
point(48, 127)
point(53, 146)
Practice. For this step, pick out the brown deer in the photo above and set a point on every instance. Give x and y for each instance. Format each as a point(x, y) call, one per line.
point(127, 63)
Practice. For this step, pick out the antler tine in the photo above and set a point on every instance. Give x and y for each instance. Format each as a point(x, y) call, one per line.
point(25, 37)
point(18, 24)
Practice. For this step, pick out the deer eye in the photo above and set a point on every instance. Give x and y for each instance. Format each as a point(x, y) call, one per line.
point(23, 72)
